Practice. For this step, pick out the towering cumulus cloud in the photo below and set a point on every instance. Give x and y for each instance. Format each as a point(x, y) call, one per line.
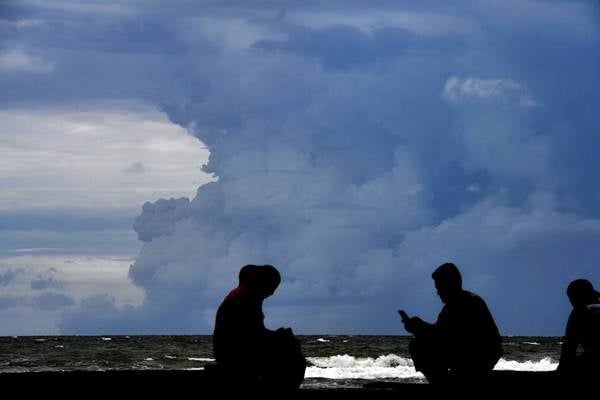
point(357, 154)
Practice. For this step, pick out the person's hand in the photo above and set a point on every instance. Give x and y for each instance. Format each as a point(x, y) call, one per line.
point(412, 324)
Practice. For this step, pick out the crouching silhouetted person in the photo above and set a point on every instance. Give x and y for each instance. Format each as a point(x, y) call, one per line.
point(583, 328)
point(249, 355)
point(464, 342)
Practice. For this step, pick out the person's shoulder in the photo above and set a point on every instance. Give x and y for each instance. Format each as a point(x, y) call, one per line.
point(234, 295)
point(473, 298)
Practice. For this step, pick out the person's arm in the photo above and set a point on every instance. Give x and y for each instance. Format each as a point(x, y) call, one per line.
point(418, 327)
point(570, 343)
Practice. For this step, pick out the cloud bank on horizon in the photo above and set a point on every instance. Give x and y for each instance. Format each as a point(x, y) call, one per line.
point(355, 147)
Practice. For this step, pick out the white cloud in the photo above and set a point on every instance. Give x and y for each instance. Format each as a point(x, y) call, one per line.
point(17, 60)
point(526, 101)
point(314, 183)
point(51, 301)
point(457, 90)
point(84, 158)
point(420, 23)
point(7, 276)
point(20, 23)
point(64, 236)
point(159, 218)
point(115, 9)
point(70, 258)
point(317, 235)
point(77, 276)
point(234, 33)
point(80, 275)
point(46, 280)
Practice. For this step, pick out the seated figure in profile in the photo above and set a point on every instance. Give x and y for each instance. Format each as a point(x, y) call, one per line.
point(464, 342)
point(249, 354)
point(583, 329)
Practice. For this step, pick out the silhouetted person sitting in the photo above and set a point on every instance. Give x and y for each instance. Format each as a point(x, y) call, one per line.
point(583, 328)
point(464, 342)
point(249, 354)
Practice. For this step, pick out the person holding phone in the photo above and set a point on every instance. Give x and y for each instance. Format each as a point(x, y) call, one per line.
point(464, 342)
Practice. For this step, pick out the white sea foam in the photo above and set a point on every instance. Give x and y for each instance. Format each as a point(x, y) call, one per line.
point(545, 364)
point(149, 359)
point(349, 367)
point(200, 359)
point(170, 357)
point(532, 343)
point(323, 340)
point(106, 339)
point(392, 366)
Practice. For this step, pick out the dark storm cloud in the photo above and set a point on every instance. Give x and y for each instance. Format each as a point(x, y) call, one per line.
point(356, 147)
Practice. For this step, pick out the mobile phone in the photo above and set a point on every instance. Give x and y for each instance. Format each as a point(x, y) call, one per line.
point(404, 315)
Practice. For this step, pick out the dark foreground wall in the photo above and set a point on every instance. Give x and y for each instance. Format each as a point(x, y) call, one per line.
point(199, 384)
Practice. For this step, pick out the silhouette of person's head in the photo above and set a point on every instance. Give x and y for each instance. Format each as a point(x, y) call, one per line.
point(581, 293)
point(246, 273)
point(262, 279)
point(270, 279)
point(448, 281)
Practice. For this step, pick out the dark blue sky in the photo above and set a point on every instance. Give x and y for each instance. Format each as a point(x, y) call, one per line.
point(355, 146)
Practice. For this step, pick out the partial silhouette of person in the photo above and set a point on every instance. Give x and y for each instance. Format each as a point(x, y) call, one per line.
point(583, 329)
point(464, 342)
point(248, 353)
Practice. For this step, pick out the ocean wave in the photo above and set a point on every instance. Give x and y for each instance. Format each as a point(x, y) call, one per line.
point(545, 364)
point(392, 366)
point(349, 367)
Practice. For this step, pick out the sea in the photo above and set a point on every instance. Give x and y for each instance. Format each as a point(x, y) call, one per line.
point(334, 361)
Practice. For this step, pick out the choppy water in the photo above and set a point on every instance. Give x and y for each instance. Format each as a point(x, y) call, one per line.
point(334, 360)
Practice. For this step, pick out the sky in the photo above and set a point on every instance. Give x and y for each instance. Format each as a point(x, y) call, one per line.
point(148, 150)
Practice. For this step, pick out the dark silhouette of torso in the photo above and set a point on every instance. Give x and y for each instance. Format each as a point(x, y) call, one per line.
point(240, 333)
point(468, 332)
point(583, 328)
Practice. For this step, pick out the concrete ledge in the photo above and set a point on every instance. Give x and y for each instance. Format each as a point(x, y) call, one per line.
point(177, 383)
